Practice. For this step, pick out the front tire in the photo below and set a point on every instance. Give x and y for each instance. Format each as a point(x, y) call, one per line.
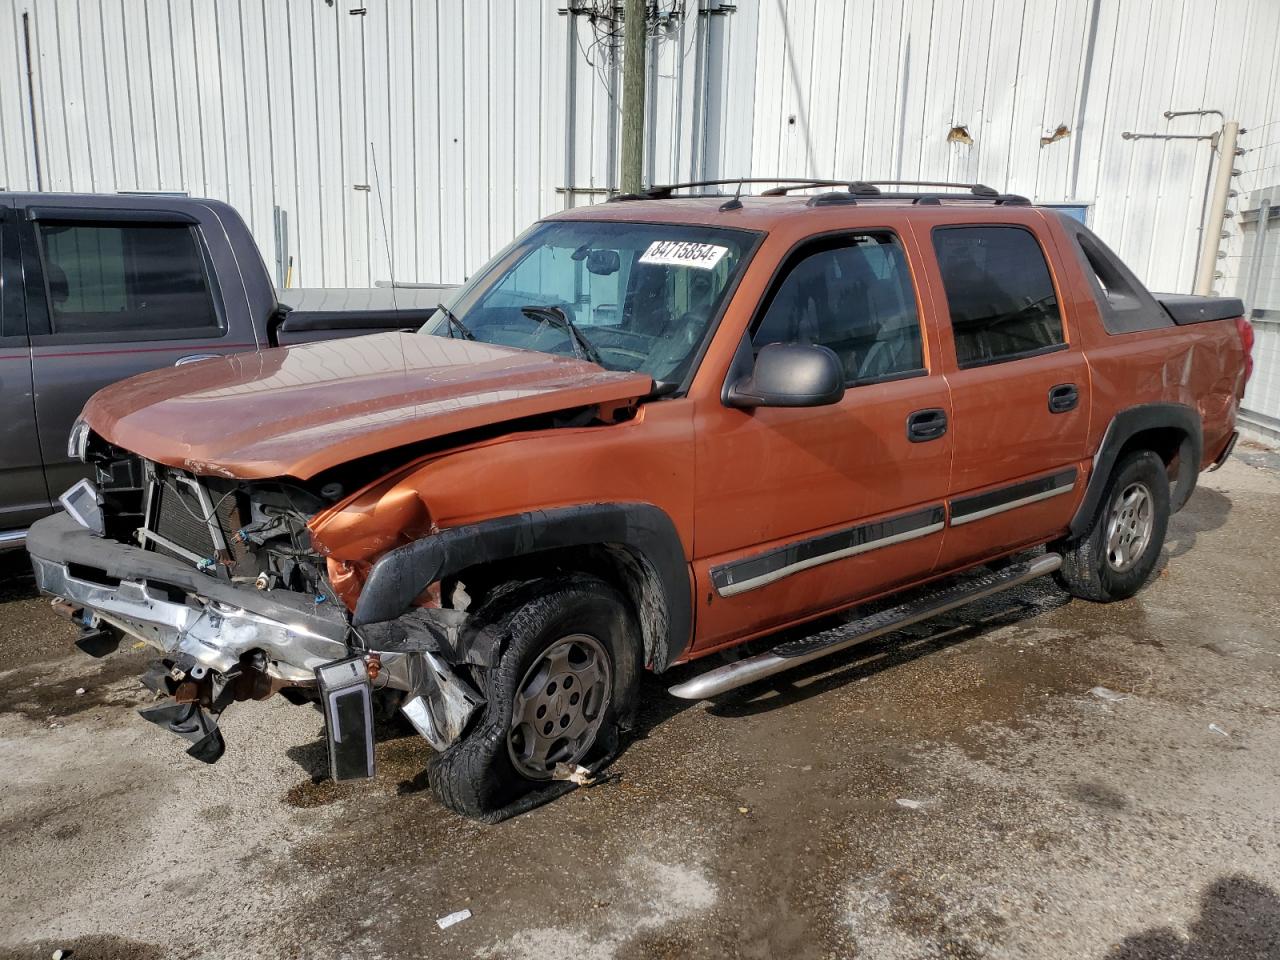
point(566, 675)
point(1115, 556)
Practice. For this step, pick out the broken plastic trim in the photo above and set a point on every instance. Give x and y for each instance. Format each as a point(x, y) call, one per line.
point(444, 702)
point(641, 528)
point(191, 722)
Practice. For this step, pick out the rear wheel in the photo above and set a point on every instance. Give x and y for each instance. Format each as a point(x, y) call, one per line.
point(1116, 555)
point(567, 672)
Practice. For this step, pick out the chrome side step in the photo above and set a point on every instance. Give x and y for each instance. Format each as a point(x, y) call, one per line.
point(796, 652)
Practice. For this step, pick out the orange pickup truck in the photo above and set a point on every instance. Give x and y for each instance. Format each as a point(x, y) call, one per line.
point(647, 431)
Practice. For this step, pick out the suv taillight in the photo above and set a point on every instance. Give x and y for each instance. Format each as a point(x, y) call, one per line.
point(1245, 329)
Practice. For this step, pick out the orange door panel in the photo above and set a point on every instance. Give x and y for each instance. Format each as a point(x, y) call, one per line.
point(1020, 388)
point(801, 510)
point(1018, 472)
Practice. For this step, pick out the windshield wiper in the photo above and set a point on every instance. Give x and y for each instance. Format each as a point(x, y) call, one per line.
point(455, 323)
point(558, 318)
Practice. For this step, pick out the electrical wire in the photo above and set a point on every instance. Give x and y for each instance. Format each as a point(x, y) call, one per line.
point(607, 31)
point(1269, 123)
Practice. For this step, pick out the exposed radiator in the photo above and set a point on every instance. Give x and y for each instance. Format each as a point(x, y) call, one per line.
point(177, 517)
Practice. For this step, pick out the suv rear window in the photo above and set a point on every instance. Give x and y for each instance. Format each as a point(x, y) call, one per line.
point(125, 279)
point(999, 292)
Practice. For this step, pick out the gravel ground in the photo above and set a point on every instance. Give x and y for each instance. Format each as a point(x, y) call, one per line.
point(955, 790)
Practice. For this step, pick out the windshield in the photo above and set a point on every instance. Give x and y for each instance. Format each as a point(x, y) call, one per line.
point(629, 296)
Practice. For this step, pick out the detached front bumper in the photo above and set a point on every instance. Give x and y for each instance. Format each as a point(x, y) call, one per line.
point(177, 609)
point(209, 625)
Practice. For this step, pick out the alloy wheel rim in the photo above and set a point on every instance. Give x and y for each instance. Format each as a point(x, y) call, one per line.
point(1129, 527)
point(559, 706)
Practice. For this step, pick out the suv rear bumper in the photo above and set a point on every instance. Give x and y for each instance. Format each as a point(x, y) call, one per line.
point(1226, 452)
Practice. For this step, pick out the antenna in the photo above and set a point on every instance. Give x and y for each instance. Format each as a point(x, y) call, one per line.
point(735, 203)
point(386, 239)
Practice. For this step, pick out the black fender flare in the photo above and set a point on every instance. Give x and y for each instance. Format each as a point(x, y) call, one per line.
point(1124, 426)
point(642, 529)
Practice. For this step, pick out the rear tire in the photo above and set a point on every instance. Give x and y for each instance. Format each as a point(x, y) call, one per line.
point(569, 663)
point(1115, 556)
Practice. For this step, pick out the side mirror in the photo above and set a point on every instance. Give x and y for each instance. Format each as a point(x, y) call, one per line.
point(790, 375)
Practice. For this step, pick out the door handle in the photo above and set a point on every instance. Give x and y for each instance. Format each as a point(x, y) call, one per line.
point(1063, 397)
point(925, 425)
point(193, 358)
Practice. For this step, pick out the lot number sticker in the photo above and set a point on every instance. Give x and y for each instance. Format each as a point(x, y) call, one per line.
point(682, 253)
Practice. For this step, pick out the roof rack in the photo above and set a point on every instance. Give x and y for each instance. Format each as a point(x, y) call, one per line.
point(664, 191)
point(854, 190)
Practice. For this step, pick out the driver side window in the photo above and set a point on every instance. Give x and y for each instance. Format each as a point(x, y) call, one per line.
point(852, 294)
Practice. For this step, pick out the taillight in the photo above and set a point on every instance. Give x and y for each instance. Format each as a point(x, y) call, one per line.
point(1245, 329)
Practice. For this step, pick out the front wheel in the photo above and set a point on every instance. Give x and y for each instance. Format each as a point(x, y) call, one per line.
point(1116, 555)
point(567, 671)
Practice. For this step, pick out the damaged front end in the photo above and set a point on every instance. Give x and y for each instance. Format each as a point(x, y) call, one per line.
point(220, 576)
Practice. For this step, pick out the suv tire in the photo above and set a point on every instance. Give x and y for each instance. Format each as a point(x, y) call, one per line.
point(569, 661)
point(1115, 556)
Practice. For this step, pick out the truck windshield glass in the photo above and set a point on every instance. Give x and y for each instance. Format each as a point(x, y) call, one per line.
point(633, 296)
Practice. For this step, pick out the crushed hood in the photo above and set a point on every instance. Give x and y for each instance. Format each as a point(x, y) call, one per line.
point(296, 411)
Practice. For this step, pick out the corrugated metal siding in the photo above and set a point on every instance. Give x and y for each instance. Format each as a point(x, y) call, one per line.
point(467, 120)
point(1260, 288)
point(446, 111)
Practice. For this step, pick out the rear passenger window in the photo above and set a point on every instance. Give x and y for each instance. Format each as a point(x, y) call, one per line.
point(126, 279)
point(999, 292)
point(854, 295)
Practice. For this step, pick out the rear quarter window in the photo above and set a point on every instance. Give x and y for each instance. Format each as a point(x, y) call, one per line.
point(1123, 302)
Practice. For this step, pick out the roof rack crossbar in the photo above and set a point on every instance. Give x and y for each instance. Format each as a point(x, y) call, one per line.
point(977, 189)
point(663, 191)
point(858, 187)
point(869, 189)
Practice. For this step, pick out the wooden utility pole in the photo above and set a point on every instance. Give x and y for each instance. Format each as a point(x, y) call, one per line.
point(635, 44)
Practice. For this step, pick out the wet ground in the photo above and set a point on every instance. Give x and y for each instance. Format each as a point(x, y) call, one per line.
point(953, 791)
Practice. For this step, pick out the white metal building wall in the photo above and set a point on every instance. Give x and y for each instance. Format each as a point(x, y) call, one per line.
point(1260, 288)
point(456, 123)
